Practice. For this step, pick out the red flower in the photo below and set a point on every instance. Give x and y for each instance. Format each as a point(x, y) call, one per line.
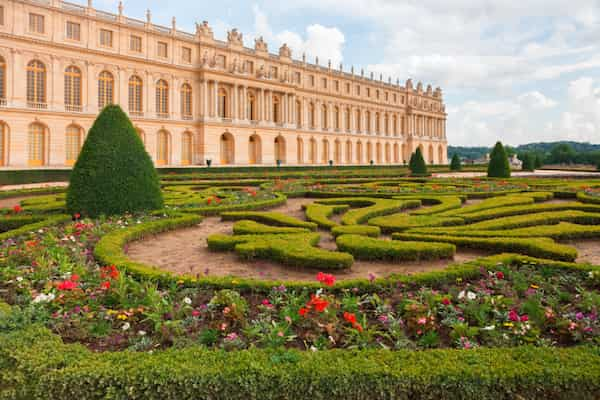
point(208, 201)
point(303, 311)
point(17, 209)
point(67, 285)
point(513, 316)
point(74, 277)
point(218, 200)
point(319, 303)
point(446, 301)
point(110, 271)
point(524, 318)
point(349, 317)
point(326, 279)
point(500, 275)
point(77, 215)
point(105, 285)
point(195, 313)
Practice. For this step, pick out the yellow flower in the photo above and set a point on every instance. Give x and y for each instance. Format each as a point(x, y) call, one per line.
point(535, 287)
point(122, 317)
point(235, 281)
point(508, 324)
point(111, 312)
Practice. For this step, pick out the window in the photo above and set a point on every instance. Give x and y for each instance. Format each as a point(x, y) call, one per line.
point(162, 98)
point(37, 133)
point(387, 96)
point(358, 90)
point(368, 92)
point(1, 15)
point(106, 38)
point(186, 101)
point(221, 61)
point(222, 105)
point(298, 78)
point(186, 54)
point(276, 106)
point(186, 148)
point(73, 144)
point(273, 72)
point(311, 80)
point(2, 79)
point(161, 49)
point(324, 83)
point(163, 148)
point(135, 43)
point(73, 31)
point(36, 84)
point(36, 23)
point(72, 89)
point(395, 97)
point(106, 84)
point(135, 95)
point(3, 134)
point(347, 88)
point(249, 67)
point(337, 86)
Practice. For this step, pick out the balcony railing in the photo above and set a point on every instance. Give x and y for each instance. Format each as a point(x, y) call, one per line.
point(136, 113)
point(37, 105)
point(162, 115)
point(2, 102)
point(72, 108)
point(187, 117)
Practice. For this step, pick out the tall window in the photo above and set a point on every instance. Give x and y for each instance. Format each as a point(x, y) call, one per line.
point(37, 133)
point(186, 54)
point(222, 111)
point(36, 23)
point(2, 80)
point(368, 121)
point(73, 31)
point(162, 98)
point(135, 43)
point(36, 84)
point(3, 134)
point(72, 89)
point(186, 148)
point(324, 121)
point(1, 15)
point(336, 117)
point(163, 148)
point(186, 101)
point(298, 113)
point(135, 95)
point(251, 110)
point(161, 49)
point(276, 107)
point(106, 85)
point(311, 115)
point(73, 143)
point(358, 125)
point(106, 38)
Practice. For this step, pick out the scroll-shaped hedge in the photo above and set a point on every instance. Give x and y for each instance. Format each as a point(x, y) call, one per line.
point(402, 221)
point(365, 248)
point(363, 230)
point(297, 250)
point(269, 218)
point(320, 213)
point(369, 207)
point(249, 227)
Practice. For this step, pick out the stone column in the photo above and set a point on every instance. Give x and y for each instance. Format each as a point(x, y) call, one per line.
point(204, 98)
point(216, 99)
point(244, 103)
point(234, 103)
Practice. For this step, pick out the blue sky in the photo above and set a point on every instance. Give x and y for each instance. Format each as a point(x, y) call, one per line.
point(514, 70)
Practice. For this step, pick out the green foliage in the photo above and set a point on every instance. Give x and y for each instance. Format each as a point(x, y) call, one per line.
point(363, 230)
point(417, 164)
point(369, 207)
point(268, 217)
point(528, 161)
point(365, 248)
point(562, 153)
point(402, 221)
point(498, 166)
point(320, 213)
point(113, 173)
point(249, 227)
point(43, 223)
point(455, 164)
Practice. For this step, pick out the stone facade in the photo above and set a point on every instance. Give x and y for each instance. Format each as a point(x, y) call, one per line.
point(194, 98)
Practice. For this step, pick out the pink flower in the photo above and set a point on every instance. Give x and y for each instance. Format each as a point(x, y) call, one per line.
point(326, 279)
point(513, 316)
point(524, 318)
point(267, 303)
point(500, 275)
point(195, 313)
point(422, 321)
point(226, 310)
point(280, 334)
point(446, 301)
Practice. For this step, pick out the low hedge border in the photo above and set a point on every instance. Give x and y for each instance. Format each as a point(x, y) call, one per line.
point(438, 204)
point(7, 194)
point(269, 218)
point(402, 221)
point(369, 207)
point(533, 246)
point(38, 365)
point(543, 218)
point(25, 229)
point(249, 227)
point(365, 248)
point(296, 250)
point(279, 199)
point(528, 209)
point(586, 198)
point(320, 213)
point(8, 223)
point(363, 230)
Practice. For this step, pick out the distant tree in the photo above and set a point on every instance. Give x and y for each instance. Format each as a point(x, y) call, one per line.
point(539, 160)
point(562, 154)
point(498, 166)
point(528, 160)
point(417, 163)
point(455, 163)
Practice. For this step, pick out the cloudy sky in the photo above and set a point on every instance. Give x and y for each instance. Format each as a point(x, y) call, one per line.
point(515, 70)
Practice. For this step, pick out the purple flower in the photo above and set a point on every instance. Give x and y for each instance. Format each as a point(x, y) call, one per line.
point(371, 276)
point(579, 316)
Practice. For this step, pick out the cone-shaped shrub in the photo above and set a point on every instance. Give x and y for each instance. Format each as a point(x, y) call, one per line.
point(498, 167)
point(114, 173)
point(417, 163)
point(455, 163)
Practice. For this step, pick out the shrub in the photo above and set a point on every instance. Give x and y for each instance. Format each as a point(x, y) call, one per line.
point(455, 164)
point(401, 221)
point(498, 167)
point(34, 226)
point(113, 173)
point(417, 164)
point(487, 204)
point(369, 207)
point(363, 230)
point(438, 205)
point(249, 227)
point(528, 161)
point(542, 218)
point(365, 248)
point(269, 218)
point(526, 209)
point(320, 213)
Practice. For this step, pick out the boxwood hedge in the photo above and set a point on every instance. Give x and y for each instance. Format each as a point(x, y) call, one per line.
point(366, 248)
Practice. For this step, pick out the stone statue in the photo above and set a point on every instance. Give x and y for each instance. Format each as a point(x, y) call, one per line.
point(235, 37)
point(260, 45)
point(409, 84)
point(260, 73)
point(204, 30)
point(284, 51)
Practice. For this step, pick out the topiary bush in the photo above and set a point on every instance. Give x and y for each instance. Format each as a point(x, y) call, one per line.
point(498, 167)
point(455, 164)
point(114, 173)
point(417, 163)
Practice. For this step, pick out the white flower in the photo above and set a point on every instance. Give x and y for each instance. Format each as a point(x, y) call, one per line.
point(126, 326)
point(489, 328)
point(142, 333)
point(187, 300)
point(43, 298)
point(471, 295)
point(19, 279)
point(313, 349)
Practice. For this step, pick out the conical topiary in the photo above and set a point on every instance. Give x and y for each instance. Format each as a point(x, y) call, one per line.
point(498, 166)
point(114, 173)
point(455, 164)
point(417, 163)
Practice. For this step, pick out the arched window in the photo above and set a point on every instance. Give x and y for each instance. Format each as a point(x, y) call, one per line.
point(36, 144)
point(136, 88)
point(388, 153)
point(348, 120)
point(186, 148)
point(142, 135)
point(377, 123)
point(395, 125)
point(298, 113)
point(3, 142)
point(324, 122)
point(300, 150)
point(254, 149)
point(251, 107)
point(162, 99)
point(106, 87)
point(336, 118)
point(280, 149)
point(227, 149)
point(312, 154)
point(358, 124)
point(36, 84)
point(72, 89)
point(386, 125)
point(359, 152)
point(163, 149)
point(73, 143)
point(325, 153)
point(337, 151)
point(186, 101)
point(222, 111)
point(348, 152)
point(2, 80)
point(368, 121)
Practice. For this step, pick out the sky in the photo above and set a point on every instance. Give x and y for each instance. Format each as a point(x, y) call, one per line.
point(518, 71)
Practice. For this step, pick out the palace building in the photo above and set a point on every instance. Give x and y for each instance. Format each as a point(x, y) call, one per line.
point(194, 98)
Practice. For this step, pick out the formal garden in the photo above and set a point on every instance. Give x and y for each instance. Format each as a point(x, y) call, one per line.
point(292, 283)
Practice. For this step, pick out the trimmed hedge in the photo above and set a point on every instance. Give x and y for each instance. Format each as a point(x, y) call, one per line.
point(363, 230)
point(249, 227)
point(490, 203)
point(269, 218)
point(401, 221)
point(498, 166)
point(320, 213)
point(528, 209)
point(543, 218)
point(533, 246)
point(37, 365)
point(278, 200)
point(297, 250)
point(8, 223)
point(365, 248)
point(369, 207)
point(586, 198)
point(25, 229)
point(438, 204)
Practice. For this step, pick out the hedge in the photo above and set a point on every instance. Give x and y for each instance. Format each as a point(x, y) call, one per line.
point(7, 194)
point(25, 229)
point(543, 218)
point(296, 250)
point(491, 203)
point(278, 200)
point(369, 207)
point(586, 198)
point(365, 248)
point(363, 230)
point(11, 222)
point(37, 365)
point(402, 221)
point(527, 209)
point(438, 204)
point(269, 218)
point(534, 246)
point(249, 227)
point(320, 213)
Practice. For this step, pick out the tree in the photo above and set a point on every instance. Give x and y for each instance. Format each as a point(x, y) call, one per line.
point(455, 164)
point(498, 166)
point(417, 163)
point(528, 160)
point(539, 161)
point(114, 173)
point(562, 154)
